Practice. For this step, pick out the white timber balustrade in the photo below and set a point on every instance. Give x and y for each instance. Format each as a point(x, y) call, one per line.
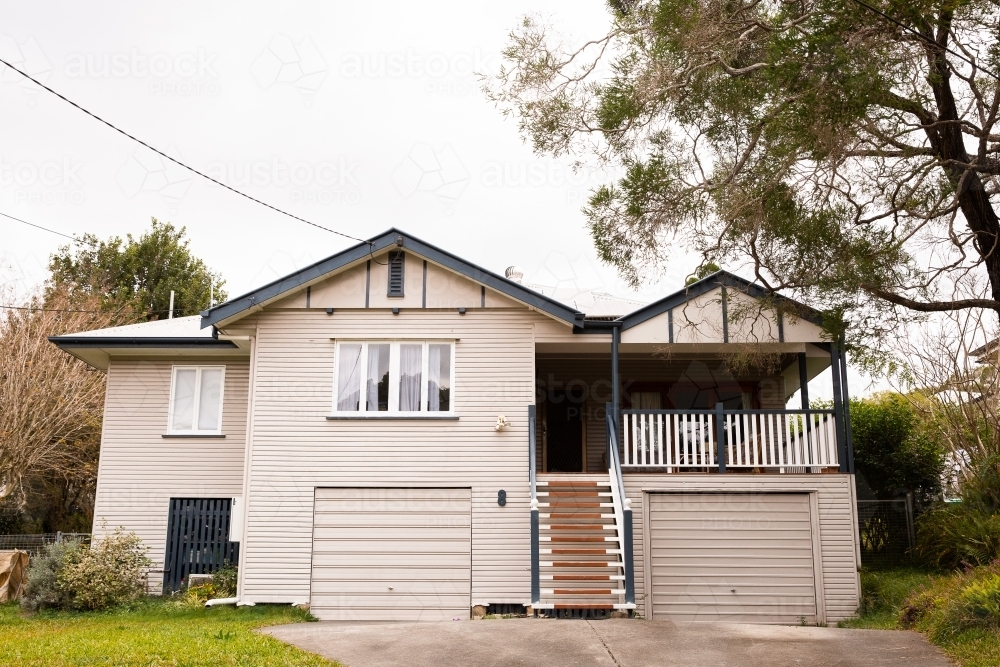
point(689, 439)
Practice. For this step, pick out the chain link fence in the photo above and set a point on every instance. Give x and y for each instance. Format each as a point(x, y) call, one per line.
point(34, 544)
point(885, 528)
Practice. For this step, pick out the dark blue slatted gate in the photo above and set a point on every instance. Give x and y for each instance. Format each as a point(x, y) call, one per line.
point(197, 539)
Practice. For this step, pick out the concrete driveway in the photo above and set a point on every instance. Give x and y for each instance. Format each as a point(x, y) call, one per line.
point(614, 643)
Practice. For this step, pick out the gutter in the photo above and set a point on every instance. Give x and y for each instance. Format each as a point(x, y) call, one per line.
point(138, 342)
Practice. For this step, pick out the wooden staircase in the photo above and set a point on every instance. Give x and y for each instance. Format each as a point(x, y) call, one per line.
point(581, 559)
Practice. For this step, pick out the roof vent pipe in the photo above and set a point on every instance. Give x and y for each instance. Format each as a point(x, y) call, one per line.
point(514, 273)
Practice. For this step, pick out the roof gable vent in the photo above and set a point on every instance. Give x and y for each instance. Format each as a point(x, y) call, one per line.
point(396, 273)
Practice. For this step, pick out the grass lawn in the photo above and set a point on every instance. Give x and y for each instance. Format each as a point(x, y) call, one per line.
point(156, 633)
point(885, 596)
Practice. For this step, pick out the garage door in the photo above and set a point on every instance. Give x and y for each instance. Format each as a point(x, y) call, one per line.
point(731, 557)
point(392, 554)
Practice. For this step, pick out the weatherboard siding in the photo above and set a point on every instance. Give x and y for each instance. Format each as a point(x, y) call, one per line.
point(836, 522)
point(140, 471)
point(296, 449)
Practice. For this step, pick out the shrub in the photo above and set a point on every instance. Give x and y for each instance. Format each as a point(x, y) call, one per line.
point(108, 574)
point(950, 535)
point(222, 585)
point(224, 580)
point(892, 450)
point(44, 590)
point(73, 576)
point(954, 604)
point(978, 605)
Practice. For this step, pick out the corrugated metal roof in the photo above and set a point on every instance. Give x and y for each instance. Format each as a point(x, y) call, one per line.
point(178, 327)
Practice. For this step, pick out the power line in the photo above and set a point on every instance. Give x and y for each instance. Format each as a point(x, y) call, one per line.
point(31, 224)
point(74, 310)
point(178, 162)
point(925, 38)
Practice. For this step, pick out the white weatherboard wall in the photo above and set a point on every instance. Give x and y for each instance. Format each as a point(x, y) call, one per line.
point(140, 470)
point(296, 449)
point(835, 520)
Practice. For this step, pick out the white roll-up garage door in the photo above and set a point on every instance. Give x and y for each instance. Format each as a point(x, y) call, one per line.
point(392, 554)
point(731, 557)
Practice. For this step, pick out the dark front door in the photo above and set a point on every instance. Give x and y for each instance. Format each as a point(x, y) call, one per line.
point(197, 539)
point(564, 433)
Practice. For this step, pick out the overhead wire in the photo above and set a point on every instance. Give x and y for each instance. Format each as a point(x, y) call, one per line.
point(31, 224)
point(38, 309)
point(178, 162)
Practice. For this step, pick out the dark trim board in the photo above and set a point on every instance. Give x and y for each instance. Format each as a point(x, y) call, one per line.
point(388, 239)
point(705, 285)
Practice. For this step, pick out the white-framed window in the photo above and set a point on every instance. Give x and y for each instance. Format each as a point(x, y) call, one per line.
point(196, 400)
point(409, 377)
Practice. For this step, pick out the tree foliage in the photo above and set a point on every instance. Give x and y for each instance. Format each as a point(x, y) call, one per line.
point(137, 274)
point(845, 157)
point(892, 450)
point(51, 405)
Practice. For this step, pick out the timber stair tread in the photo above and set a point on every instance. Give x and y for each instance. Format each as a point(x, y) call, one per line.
point(579, 549)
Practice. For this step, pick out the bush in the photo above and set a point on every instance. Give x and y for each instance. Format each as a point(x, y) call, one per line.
point(892, 449)
point(978, 605)
point(74, 576)
point(224, 580)
point(952, 605)
point(222, 585)
point(108, 574)
point(44, 590)
point(951, 535)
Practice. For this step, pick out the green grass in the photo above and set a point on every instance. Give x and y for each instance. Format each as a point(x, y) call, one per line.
point(155, 633)
point(887, 595)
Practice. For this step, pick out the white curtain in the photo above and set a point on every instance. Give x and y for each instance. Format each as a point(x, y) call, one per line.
point(209, 399)
point(349, 378)
point(378, 367)
point(438, 377)
point(409, 377)
point(183, 409)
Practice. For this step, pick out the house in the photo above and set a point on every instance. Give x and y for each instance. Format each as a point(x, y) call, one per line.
point(397, 433)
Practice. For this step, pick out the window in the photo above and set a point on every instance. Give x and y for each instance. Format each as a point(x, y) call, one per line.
point(196, 399)
point(396, 273)
point(401, 377)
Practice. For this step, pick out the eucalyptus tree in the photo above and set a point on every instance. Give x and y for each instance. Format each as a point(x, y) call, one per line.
point(845, 151)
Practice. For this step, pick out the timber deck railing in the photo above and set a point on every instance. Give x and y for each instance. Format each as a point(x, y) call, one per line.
point(677, 440)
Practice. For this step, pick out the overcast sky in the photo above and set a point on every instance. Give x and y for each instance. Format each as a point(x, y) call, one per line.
point(359, 116)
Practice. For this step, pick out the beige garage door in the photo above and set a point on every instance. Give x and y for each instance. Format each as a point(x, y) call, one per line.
point(731, 557)
point(392, 554)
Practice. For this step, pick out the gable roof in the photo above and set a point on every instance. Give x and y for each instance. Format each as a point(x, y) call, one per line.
point(709, 283)
point(389, 239)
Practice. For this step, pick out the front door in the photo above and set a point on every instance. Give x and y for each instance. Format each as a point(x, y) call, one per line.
point(564, 433)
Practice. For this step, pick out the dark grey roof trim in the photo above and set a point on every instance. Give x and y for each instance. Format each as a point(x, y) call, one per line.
point(709, 283)
point(93, 341)
point(388, 239)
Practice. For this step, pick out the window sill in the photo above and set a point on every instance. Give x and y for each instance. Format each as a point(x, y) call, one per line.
point(383, 416)
point(193, 435)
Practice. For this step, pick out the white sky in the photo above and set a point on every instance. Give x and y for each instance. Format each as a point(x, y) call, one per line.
point(357, 116)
